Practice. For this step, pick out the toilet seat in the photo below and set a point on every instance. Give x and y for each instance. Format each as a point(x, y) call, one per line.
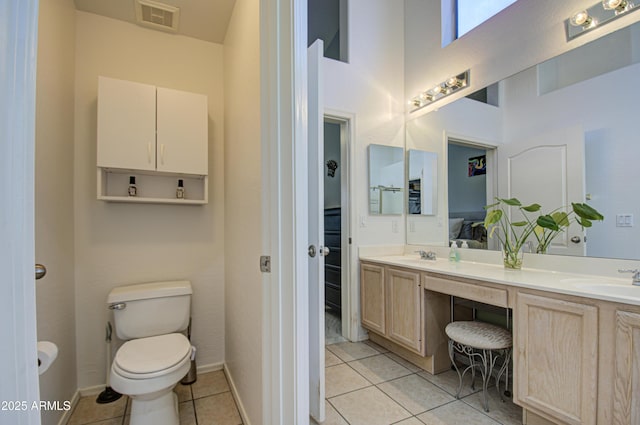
point(146, 358)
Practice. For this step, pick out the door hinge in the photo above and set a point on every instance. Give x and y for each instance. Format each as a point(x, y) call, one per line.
point(265, 263)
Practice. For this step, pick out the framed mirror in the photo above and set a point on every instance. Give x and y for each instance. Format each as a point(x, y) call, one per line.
point(386, 180)
point(578, 106)
point(422, 182)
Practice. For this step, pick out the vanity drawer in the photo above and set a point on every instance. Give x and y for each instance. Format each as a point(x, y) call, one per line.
point(468, 290)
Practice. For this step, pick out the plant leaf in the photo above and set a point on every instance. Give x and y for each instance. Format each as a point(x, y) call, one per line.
point(584, 222)
point(585, 211)
point(547, 222)
point(561, 218)
point(538, 230)
point(492, 217)
point(486, 207)
point(532, 208)
point(511, 201)
point(519, 223)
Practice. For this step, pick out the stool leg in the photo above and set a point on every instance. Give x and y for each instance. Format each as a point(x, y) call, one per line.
point(487, 369)
point(453, 362)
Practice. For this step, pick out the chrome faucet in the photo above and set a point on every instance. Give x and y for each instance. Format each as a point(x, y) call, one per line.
point(427, 255)
point(636, 276)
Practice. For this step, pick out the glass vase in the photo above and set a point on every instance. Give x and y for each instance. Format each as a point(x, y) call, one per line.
point(512, 259)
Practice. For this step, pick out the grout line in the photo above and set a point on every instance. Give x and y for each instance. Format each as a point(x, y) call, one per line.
point(337, 411)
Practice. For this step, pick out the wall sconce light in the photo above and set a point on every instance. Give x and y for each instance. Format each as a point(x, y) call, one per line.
point(440, 91)
point(596, 16)
point(332, 166)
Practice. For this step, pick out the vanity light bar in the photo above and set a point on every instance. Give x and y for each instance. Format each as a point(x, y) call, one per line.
point(597, 15)
point(440, 91)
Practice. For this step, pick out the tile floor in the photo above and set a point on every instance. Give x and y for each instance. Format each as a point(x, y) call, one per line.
point(208, 401)
point(367, 385)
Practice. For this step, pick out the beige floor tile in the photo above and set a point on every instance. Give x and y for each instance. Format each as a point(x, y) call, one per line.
point(410, 421)
point(183, 392)
point(375, 346)
point(113, 421)
point(379, 368)
point(330, 359)
point(350, 351)
point(88, 411)
point(187, 413)
point(209, 384)
point(369, 406)
point(413, 368)
point(332, 417)
point(219, 409)
point(455, 413)
point(505, 412)
point(341, 379)
point(416, 394)
point(448, 381)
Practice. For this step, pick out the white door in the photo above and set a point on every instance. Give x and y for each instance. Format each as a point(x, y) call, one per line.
point(547, 169)
point(18, 352)
point(182, 132)
point(316, 232)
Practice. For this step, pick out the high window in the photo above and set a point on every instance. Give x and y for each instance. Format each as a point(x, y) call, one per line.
point(327, 20)
point(471, 13)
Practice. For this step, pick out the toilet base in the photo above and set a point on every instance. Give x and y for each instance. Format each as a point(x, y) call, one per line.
point(157, 411)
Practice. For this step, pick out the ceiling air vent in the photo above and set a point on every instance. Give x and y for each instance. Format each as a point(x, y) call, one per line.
point(157, 15)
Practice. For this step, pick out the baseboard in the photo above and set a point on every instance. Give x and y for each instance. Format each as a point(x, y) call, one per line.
point(236, 397)
point(67, 414)
point(212, 367)
point(89, 391)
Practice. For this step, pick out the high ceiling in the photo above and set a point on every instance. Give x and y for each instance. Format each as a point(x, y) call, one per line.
point(203, 19)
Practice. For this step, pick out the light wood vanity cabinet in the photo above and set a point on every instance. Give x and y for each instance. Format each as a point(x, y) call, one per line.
point(405, 309)
point(556, 358)
point(392, 304)
point(372, 298)
point(626, 375)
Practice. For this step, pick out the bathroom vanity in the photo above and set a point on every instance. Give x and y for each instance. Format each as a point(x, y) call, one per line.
point(576, 356)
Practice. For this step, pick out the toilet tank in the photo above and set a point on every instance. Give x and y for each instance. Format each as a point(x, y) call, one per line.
point(149, 309)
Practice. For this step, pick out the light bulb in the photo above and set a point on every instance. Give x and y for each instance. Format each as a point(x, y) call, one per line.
point(436, 90)
point(581, 19)
point(614, 4)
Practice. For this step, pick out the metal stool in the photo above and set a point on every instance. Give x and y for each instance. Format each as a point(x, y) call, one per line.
point(483, 344)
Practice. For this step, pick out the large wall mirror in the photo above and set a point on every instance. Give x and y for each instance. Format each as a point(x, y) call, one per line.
point(386, 180)
point(563, 131)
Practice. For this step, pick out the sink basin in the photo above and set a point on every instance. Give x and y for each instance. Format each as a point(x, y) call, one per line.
point(609, 289)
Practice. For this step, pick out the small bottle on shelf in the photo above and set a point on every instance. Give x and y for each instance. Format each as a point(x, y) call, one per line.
point(133, 190)
point(180, 189)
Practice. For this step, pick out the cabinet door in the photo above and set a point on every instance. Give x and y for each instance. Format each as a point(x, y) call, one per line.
point(626, 404)
point(126, 125)
point(182, 132)
point(372, 298)
point(556, 358)
point(405, 300)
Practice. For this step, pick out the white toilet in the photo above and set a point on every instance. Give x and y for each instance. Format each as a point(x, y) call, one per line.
point(149, 316)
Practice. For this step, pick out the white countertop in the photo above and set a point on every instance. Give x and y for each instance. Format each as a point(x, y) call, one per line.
point(583, 285)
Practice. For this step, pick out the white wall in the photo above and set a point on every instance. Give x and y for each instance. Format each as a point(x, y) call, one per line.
point(371, 86)
point(243, 208)
point(611, 144)
point(119, 244)
point(54, 198)
point(524, 34)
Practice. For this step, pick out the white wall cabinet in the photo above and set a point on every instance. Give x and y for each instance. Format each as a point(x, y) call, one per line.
point(152, 131)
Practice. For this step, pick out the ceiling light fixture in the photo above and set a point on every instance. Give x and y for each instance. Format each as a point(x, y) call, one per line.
point(597, 15)
point(440, 91)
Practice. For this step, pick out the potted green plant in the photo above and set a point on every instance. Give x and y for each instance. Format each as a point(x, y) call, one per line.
point(545, 227)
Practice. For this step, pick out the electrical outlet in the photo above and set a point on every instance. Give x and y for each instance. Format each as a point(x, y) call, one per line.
point(624, 220)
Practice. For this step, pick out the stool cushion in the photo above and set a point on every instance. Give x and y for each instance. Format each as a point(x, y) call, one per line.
point(483, 336)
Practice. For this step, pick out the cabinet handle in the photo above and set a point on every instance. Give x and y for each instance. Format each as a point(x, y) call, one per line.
point(162, 154)
point(149, 152)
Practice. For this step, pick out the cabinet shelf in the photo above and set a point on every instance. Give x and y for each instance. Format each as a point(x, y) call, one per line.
point(153, 188)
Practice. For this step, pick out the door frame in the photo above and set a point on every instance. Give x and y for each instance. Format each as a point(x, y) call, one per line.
point(350, 297)
point(18, 358)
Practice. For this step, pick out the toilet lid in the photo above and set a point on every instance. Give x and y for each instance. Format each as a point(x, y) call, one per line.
point(152, 354)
